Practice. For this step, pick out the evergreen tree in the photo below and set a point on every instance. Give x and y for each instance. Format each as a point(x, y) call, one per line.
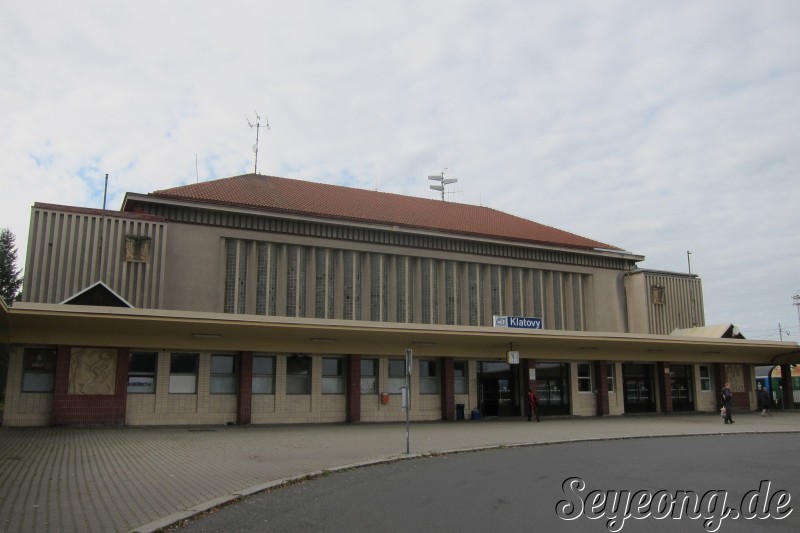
point(10, 280)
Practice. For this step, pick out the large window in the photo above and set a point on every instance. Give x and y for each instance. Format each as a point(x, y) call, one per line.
point(584, 377)
point(428, 377)
point(183, 373)
point(263, 374)
point(397, 376)
point(369, 376)
point(298, 374)
point(223, 374)
point(460, 377)
point(332, 375)
point(38, 370)
point(705, 377)
point(610, 376)
point(235, 276)
point(142, 372)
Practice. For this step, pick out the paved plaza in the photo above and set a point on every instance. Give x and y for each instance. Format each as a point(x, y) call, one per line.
point(146, 478)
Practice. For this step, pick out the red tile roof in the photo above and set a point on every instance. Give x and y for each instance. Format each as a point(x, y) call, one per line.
point(284, 195)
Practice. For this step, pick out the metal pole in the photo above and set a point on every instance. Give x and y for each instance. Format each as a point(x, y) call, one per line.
point(105, 192)
point(409, 358)
point(796, 303)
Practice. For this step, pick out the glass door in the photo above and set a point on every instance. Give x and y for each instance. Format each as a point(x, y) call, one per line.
point(552, 388)
point(639, 387)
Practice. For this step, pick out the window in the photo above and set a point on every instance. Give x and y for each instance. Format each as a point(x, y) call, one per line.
point(332, 375)
point(428, 377)
point(474, 294)
point(223, 374)
point(610, 376)
point(397, 375)
point(38, 370)
point(266, 278)
point(298, 374)
point(183, 373)
point(235, 276)
point(142, 372)
point(369, 376)
point(584, 377)
point(263, 375)
point(705, 377)
point(460, 377)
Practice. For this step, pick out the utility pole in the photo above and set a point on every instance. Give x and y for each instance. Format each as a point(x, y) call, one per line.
point(796, 303)
point(781, 331)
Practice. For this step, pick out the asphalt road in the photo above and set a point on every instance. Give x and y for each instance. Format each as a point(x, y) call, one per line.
point(717, 481)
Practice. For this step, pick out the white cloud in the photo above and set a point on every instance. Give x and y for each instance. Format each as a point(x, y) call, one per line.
point(657, 127)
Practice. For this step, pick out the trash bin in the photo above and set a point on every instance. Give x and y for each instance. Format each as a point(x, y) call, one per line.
point(476, 414)
point(459, 411)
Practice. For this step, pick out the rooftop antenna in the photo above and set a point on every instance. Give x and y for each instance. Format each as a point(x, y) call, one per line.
point(442, 182)
point(257, 126)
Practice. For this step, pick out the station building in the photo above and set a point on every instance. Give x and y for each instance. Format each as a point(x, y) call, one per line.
point(262, 300)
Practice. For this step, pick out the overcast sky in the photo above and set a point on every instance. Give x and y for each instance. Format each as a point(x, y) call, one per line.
point(657, 127)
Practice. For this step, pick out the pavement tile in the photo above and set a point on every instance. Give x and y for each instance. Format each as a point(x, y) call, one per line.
point(100, 479)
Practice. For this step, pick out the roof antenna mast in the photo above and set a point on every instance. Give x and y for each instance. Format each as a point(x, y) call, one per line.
point(442, 182)
point(257, 126)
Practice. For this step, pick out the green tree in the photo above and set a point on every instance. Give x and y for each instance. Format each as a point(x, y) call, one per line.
point(10, 280)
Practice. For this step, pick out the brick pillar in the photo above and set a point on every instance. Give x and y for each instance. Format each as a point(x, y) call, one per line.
point(749, 379)
point(244, 406)
point(601, 387)
point(354, 388)
point(526, 365)
point(665, 387)
point(719, 383)
point(786, 385)
point(448, 389)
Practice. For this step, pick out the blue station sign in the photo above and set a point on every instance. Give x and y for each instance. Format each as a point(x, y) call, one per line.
point(525, 322)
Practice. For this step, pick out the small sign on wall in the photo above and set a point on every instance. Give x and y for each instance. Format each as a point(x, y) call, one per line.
point(531, 374)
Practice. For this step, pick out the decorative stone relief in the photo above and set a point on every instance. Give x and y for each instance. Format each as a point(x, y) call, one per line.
point(92, 371)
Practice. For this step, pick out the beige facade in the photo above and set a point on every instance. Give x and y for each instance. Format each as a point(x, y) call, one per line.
point(244, 314)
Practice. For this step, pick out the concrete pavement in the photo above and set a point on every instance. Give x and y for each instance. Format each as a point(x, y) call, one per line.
point(146, 478)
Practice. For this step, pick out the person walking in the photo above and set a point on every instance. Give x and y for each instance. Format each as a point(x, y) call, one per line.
point(727, 400)
point(533, 405)
point(764, 401)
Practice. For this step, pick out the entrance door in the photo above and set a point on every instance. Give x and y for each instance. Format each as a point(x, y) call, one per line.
point(682, 387)
point(552, 388)
point(498, 390)
point(639, 383)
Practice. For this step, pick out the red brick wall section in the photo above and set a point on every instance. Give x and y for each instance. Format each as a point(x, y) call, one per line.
point(664, 387)
point(527, 366)
point(244, 407)
point(786, 385)
point(89, 409)
point(601, 375)
point(354, 388)
point(448, 389)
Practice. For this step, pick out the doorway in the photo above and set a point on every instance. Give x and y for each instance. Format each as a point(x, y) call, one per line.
point(639, 386)
point(552, 388)
point(498, 389)
point(682, 387)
